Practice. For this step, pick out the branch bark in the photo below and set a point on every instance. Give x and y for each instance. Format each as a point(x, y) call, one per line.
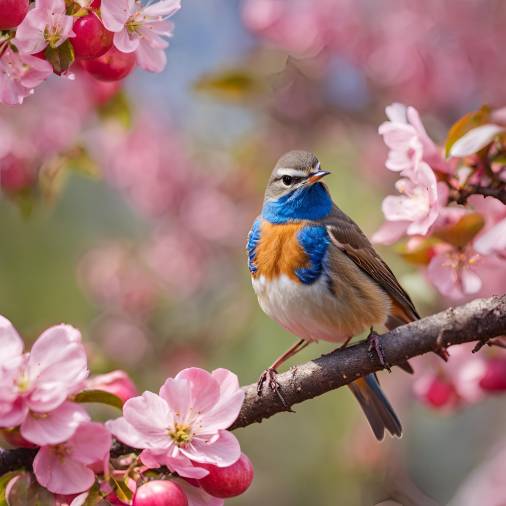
point(479, 320)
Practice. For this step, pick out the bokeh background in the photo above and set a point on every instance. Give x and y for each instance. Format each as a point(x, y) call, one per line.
point(135, 229)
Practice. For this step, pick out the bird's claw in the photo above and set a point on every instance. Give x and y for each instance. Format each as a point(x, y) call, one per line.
point(269, 376)
point(375, 345)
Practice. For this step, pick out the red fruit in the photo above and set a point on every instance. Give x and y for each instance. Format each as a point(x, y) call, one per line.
point(14, 174)
point(229, 481)
point(96, 4)
point(12, 12)
point(440, 393)
point(112, 66)
point(92, 38)
point(160, 493)
point(494, 379)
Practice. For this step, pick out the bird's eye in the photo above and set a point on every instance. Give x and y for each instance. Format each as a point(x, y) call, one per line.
point(287, 180)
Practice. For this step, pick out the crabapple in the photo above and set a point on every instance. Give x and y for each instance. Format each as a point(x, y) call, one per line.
point(228, 481)
point(440, 393)
point(92, 39)
point(494, 378)
point(111, 66)
point(12, 12)
point(160, 493)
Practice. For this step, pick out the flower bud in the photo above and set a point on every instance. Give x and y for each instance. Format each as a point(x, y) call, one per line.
point(436, 391)
point(228, 481)
point(160, 493)
point(115, 382)
point(494, 378)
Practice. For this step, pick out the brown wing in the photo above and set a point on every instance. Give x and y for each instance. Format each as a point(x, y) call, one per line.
point(347, 236)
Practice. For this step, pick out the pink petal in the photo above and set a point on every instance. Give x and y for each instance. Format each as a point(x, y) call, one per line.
point(38, 70)
point(444, 277)
point(61, 475)
point(13, 413)
point(177, 394)
point(126, 433)
point(390, 232)
point(475, 139)
point(396, 113)
point(150, 59)
point(471, 282)
point(57, 367)
point(30, 33)
point(124, 42)
point(11, 345)
point(90, 443)
point(54, 427)
point(163, 8)
point(226, 410)
point(493, 240)
point(223, 452)
point(204, 389)
point(180, 464)
point(115, 14)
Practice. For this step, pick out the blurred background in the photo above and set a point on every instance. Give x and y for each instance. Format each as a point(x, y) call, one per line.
point(128, 210)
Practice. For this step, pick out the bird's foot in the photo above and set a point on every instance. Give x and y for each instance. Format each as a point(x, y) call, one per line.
point(375, 345)
point(269, 376)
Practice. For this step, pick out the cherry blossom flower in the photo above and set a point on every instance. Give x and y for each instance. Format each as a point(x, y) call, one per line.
point(186, 423)
point(416, 210)
point(458, 273)
point(45, 25)
point(34, 386)
point(19, 75)
point(141, 29)
point(64, 468)
point(115, 382)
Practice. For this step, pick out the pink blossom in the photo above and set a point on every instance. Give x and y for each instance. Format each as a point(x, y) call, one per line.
point(64, 468)
point(141, 29)
point(458, 273)
point(416, 210)
point(19, 75)
point(492, 240)
point(45, 25)
point(186, 423)
point(476, 139)
point(115, 382)
point(34, 386)
point(408, 141)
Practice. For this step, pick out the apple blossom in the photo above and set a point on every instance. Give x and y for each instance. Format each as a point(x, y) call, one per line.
point(19, 75)
point(34, 386)
point(141, 29)
point(416, 210)
point(65, 468)
point(45, 25)
point(186, 423)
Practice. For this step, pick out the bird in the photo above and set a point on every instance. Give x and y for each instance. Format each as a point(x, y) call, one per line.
point(318, 276)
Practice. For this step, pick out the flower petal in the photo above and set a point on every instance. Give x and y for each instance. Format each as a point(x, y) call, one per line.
point(90, 443)
point(475, 139)
point(115, 14)
point(204, 389)
point(223, 452)
point(11, 345)
point(61, 475)
point(54, 427)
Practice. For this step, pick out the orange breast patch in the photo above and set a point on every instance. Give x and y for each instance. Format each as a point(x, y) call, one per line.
point(278, 251)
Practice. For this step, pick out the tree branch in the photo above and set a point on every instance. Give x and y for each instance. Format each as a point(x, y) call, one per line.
point(479, 320)
point(460, 196)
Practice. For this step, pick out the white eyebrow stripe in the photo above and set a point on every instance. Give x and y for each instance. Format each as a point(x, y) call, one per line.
point(286, 171)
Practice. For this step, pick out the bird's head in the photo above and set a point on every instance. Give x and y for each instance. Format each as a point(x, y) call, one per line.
point(294, 190)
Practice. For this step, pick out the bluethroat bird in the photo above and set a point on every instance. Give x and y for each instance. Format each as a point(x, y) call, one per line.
point(316, 274)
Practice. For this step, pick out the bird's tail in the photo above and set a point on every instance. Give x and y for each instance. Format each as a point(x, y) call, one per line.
point(376, 407)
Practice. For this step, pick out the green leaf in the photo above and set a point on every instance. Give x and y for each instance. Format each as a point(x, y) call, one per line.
point(100, 396)
point(4, 481)
point(117, 108)
point(463, 125)
point(61, 57)
point(230, 85)
point(26, 491)
point(122, 491)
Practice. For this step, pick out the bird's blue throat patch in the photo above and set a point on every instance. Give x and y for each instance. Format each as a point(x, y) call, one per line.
point(306, 203)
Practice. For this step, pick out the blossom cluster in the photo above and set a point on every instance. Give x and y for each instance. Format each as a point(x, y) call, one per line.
point(183, 427)
point(106, 38)
point(457, 236)
point(426, 54)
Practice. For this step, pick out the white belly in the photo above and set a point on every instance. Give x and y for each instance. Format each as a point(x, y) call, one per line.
point(310, 312)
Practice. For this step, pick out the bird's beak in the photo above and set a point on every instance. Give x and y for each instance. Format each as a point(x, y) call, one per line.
point(314, 178)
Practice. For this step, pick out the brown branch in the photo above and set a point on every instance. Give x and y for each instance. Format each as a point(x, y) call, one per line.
point(460, 196)
point(479, 320)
